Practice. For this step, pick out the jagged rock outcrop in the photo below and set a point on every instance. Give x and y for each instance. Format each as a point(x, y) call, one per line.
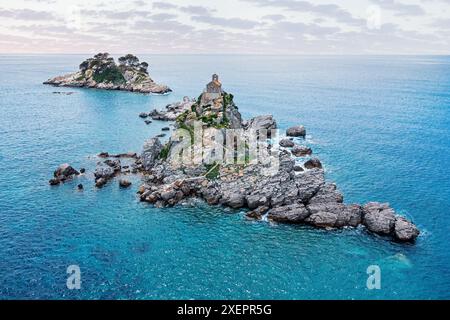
point(63, 173)
point(151, 152)
point(101, 72)
point(290, 194)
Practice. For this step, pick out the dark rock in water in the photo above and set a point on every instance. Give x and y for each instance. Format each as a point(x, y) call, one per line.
point(82, 170)
point(298, 168)
point(301, 151)
point(293, 213)
point(297, 131)
point(80, 187)
point(124, 183)
point(103, 155)
point(165, 129)
point(125, 155)
point(99, 183)
point(151, 151)
point(257, 213)
point(54, 182)
point(63, 173)
point(380, 218)
point(161, 135)
point(143, 115)
point(313, 163)
point(405, 230)
point(65, 170)
point(286, 143)
point(148, 121)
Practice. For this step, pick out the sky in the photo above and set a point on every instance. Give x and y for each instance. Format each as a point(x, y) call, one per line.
point(225, 26)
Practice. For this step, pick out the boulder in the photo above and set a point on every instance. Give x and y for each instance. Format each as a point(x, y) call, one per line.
point(123, 183)
point(65, 171)
point(99, 183)
point(54, 182)
point(405, 230)
point(143, 115)
point(286, 143)
point(379, 218)
point(297, 131)
point(257, 213)
point(262, 122)
point(313, 163)
point(293, 213)
point(234, 200)
point(301, 151)
point(298, 168)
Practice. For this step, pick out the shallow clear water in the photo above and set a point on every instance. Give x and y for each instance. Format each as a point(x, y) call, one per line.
point(380, 125)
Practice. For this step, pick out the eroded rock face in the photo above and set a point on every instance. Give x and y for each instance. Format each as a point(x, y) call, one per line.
point(151, 151)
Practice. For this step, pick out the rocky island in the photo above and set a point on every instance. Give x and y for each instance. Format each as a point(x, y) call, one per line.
point(215, 155)
point(101, 72)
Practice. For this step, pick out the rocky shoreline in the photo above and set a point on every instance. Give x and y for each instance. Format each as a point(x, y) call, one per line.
point(101, 72)
point(293, 193)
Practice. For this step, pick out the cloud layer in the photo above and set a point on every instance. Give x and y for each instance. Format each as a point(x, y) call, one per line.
point(232, 26)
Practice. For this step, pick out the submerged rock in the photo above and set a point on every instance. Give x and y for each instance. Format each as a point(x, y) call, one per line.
point(123, 183)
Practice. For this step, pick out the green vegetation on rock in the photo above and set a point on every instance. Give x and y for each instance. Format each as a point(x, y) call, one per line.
point(213, 171)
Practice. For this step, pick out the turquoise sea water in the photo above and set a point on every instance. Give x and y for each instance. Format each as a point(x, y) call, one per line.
point(380, 125)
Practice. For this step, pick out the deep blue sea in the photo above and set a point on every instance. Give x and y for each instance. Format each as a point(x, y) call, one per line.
point(381, 126)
